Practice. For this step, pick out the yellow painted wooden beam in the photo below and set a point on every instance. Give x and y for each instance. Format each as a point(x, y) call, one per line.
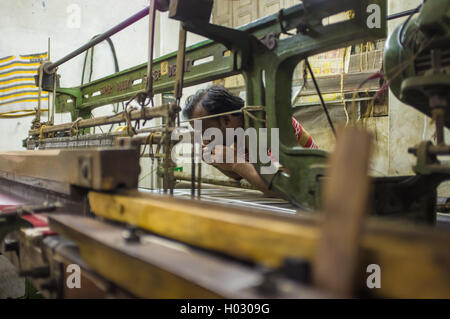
point(414, 261)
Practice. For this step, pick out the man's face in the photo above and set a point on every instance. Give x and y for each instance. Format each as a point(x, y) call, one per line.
point(222, 122)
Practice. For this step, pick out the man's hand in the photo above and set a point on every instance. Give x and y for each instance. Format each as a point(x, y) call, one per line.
point(233, 169)
point(220, 152)
point(218, 157)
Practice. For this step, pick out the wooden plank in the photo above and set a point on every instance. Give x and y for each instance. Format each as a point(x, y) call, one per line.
point(269, 238)
point(158, 268)
point(99, 169)
point(345, 205)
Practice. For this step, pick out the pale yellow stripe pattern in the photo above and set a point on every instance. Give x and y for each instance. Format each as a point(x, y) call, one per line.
point(18, 91)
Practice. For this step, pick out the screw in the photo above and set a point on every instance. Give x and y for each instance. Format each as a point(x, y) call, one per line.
point(131, 234)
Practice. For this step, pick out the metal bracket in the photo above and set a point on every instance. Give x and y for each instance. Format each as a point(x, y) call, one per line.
point(85, 170)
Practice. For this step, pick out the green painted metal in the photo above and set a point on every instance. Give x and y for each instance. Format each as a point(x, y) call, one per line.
point(414, 80)
point(268, 75)
point(242, 51)
point(301, 185)
point(432, 27)
point(126, 84)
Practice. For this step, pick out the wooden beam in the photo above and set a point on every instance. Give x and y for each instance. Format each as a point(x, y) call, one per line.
point(98, 169)
point(411, 258)
point(155, 267)
point(345, 206)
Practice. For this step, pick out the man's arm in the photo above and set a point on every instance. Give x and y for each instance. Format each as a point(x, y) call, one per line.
point(240, 170)
point(248, 171)
point(229, 174)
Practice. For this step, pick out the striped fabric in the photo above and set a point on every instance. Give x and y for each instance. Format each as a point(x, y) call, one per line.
point(303, 137)
point(18, 92)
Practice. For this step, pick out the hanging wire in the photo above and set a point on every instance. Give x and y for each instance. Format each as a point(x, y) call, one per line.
point(322, 102)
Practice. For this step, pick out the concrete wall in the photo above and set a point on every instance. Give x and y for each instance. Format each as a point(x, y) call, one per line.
point(27, 24)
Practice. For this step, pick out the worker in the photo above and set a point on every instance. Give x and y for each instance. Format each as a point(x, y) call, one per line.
point(217, 100)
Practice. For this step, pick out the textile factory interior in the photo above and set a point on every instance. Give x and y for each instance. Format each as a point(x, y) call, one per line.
point(144, 151)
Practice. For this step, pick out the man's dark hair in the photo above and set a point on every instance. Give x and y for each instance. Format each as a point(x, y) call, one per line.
point(214, 100)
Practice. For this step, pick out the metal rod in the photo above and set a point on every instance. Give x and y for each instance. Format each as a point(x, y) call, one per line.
point(152, 173)
point(193, 170)
point(180, 63)
point(52, 117)
point(212, 181)
point(38, 111)
point(48, 95)
point(199, 178)
point(49, 68)
point(151, 43)
point(180, 69)
point(322, 102)
point(402, 14)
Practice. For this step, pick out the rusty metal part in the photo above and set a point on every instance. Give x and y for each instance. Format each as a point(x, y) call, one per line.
point(79, 141)
point(44, 260)
point(159, 268)
point(100, 169)
point(206, 180)
point(439, 149)
point(145, 114)
point(199, 179)
point(168, 164)
point(37, 119)
point(438, 115)
point(180, 64)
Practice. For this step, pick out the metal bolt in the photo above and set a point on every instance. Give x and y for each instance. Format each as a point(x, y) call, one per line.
point(11, 245)
point(38, 272)
point(297, 269)
point(131, 235)
point(49, 285)
point(269, 285)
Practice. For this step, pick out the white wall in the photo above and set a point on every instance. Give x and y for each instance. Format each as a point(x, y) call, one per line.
point(27, 24)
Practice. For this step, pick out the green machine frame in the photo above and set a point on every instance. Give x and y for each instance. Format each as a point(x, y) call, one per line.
point(267, 59)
